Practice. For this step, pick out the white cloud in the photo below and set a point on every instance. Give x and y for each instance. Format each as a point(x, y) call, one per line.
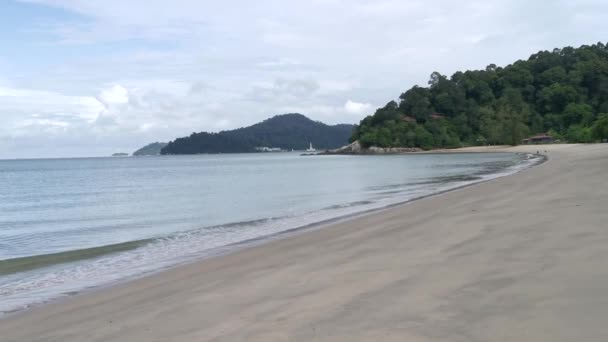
point(335, 86)
point(123, 73)
point(19, 104)
point(115, 95)
point(357, 108)
point(284, 90)
point(222, 123)
point(279, 63)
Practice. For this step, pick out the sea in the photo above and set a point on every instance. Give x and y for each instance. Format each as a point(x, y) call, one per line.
point(72, 225)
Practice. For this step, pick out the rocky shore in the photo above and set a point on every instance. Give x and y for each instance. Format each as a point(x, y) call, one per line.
point(356, 148)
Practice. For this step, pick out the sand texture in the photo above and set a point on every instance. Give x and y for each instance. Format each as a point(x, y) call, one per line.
point(520, 258)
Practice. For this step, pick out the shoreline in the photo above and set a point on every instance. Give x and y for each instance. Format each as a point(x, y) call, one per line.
point(460, 150)
point(81, 302)
point(255, 242)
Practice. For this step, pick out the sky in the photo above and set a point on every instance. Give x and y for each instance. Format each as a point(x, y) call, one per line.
point(94, 77)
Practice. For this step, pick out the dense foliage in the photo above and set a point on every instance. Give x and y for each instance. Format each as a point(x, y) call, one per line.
point(563, 92)
point(152, 149)
point(287, 131)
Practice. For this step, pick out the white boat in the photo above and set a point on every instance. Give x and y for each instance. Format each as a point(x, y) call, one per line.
point(311, 149)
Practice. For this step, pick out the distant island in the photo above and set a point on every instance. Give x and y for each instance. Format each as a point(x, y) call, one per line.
point(120, 154)
point(553, 95)
point(152, 149)
point(282, 132)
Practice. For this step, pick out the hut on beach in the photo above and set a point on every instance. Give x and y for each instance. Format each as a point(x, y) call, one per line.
point(539, 139)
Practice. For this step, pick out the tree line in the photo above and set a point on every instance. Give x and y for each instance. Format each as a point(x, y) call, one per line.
point(563, 92)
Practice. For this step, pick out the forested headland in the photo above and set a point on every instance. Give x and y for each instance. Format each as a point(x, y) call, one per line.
point(287, 132)
point(563, 92)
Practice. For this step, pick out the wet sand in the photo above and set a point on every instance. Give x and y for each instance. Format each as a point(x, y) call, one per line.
point(520, 258)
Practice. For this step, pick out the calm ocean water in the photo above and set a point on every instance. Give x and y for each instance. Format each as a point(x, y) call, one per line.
point(71, 224)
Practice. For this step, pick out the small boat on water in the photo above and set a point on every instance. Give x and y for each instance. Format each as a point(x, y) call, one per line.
point(311, 149)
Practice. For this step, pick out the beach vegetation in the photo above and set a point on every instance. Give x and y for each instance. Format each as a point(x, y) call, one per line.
point(599, 130)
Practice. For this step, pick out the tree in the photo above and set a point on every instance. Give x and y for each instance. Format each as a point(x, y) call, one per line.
point(555, 97)
point(579, 134)
point(599, 130)
point(560, 91)
point(553, 75)
point(416, 102)
point(536, 123)
point(388, 112)
point(424, 139)
point(514, 112)
point(491, 126)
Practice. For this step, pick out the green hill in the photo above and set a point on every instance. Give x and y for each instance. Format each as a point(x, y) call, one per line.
point(287, 131)
point(563, 92)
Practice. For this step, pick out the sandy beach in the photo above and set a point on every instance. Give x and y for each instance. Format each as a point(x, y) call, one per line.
point(520, 258)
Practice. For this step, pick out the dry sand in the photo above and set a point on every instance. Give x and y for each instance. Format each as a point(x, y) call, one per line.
point(521, 258)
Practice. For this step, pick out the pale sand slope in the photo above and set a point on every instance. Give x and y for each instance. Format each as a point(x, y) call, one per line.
point(521, 258)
